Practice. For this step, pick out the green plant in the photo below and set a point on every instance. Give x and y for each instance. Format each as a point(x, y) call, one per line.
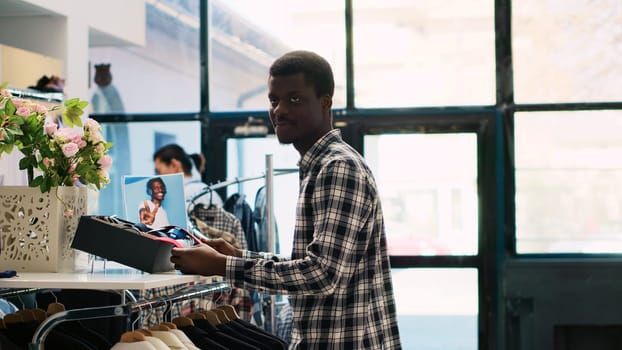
point(74, 154)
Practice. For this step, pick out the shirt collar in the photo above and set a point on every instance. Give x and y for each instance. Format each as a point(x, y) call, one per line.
point(318, 147)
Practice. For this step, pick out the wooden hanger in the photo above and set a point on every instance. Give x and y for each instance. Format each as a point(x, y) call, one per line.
point(39, 314)
point(222, 316)
point(211, 317)
point(54, 308)
point(13, 318)
point(160, 327)
point(145, 331)
point(230, 311)
point(132, 337)
point(183, 321)
point(27, 315)
point(170, 325)
point(196, 316)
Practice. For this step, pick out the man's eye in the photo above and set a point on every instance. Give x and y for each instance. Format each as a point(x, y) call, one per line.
point(273, 102)
point(294, 99)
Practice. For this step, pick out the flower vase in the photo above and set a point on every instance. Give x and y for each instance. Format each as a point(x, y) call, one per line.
point(36, 231)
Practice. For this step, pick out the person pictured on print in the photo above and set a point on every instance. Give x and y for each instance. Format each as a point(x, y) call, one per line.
point(150, 212)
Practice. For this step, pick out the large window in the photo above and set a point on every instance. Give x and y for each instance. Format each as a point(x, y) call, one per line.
point(569, 182)
point(424, 53)
point(566, 51)
point(429, 194)
point(246, 36)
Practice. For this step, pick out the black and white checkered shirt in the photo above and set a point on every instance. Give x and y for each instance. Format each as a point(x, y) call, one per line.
point(338, 277)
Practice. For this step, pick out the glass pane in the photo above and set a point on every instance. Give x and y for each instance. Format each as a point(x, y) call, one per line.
point(566, 51)
point(163, 76)
point(246, 158)
point(134, 155)
point(439, 311)
point(568, 182)
point(424, 53)
point(429, 195)
point(247, 35)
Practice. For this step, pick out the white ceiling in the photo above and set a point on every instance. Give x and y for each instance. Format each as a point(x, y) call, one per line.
point(17, 8)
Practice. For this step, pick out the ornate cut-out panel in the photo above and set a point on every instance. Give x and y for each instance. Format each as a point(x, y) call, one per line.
point(35, 235)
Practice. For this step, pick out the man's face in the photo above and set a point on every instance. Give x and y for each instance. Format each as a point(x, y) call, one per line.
point(297, 114)
point(162, 168)
point(158, 191)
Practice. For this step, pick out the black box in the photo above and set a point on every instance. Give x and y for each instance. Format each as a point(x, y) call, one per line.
point(125, 246)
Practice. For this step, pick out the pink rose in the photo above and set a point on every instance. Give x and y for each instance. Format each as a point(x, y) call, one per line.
point(50, 128)
point(41, 109)
point(23, 112)
point(91, 124)
point(5, 93)
point(105, 162)
point(64, 135)
point(48, 162)
point(95, 136)
point(70, 149)
point(18, 101)
point(72, 168)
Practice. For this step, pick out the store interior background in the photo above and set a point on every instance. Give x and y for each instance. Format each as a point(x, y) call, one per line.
point(492, 127)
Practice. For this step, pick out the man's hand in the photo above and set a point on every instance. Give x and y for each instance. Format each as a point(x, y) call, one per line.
point(200, 259)
point(223, 247)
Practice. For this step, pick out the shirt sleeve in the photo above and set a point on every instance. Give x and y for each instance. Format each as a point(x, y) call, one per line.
point(340, 203)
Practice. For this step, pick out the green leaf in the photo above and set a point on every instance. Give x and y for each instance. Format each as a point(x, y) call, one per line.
point(37, 181)
point(9, 107)
point(6, 147)
point(25, 162)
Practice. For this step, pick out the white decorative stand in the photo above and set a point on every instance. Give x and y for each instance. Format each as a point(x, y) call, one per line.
point(35, 235)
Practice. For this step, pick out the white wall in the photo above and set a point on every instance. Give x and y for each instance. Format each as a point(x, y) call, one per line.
point(64, 35)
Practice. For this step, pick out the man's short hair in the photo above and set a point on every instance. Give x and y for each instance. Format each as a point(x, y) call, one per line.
point(316, 70)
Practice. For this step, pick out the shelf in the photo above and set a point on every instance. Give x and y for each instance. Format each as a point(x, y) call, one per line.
point(97, 280)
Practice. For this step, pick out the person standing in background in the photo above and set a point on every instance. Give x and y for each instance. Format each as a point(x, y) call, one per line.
point(199, 165)
point(106, 98)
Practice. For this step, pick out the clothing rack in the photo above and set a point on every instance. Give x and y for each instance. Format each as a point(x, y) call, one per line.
point(127, 309)
point(269, 175)
point(54, 97)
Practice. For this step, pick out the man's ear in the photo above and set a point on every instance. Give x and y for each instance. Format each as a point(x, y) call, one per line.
point(327, 102)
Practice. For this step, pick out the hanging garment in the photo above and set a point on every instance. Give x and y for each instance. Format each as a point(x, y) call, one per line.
point(260, 216)
point(220, 219)
point(237, 205)
point(284, 322)
point(222, 338)
point(201, 339)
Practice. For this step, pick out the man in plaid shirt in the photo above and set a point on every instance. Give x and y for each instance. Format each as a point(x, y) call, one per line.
point(338, 276)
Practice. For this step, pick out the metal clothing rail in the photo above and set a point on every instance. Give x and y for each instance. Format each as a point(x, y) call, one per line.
point(193, 291)
point(270, 173)
point(235, 181)
point(38, 95)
